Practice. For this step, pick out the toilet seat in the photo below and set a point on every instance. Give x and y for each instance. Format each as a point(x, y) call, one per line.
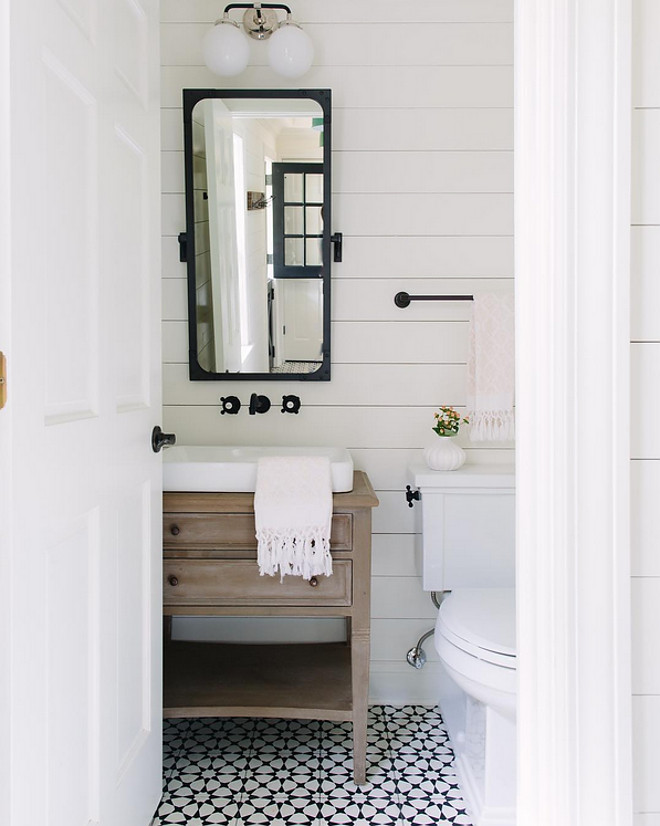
point(482, 623)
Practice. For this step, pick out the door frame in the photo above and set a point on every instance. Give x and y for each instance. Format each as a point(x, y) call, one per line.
point(572, 228)
point(6, 510)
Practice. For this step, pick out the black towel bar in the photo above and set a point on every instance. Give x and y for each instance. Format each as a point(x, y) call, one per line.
point(403, 299)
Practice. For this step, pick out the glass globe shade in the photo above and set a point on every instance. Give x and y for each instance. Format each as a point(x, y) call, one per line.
point(226, 49)
point(290, 51)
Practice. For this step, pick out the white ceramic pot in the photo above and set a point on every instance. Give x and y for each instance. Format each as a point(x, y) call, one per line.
point(444, 454)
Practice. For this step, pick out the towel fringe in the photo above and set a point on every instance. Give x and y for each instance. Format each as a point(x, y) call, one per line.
point(301, 552)
point(492, 426)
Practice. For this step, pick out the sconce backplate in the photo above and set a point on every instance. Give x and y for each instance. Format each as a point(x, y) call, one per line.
point(260, 24)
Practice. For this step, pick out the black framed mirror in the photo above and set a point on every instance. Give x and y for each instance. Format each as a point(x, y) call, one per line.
point(257, 240)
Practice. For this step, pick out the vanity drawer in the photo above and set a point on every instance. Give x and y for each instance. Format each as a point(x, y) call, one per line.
point(215, 582)
point(235, 530)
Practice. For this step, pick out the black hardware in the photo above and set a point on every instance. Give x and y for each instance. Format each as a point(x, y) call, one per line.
point(410, 495)
point(403, 299)
point(290, 404)
point(173, 580)
point(160, 440)
point(338, 240)
point(230, 404)
point(313, 582)
point(175, 530)
point(259, 404)
point(183, 246)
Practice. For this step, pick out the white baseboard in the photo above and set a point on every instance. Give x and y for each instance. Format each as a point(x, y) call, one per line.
point(397, 683)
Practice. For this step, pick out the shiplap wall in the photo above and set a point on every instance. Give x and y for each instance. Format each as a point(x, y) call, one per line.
point(645, 436)
point(422, 190)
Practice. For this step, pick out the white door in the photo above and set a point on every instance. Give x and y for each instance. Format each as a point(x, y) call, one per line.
point(84, 394)
point(302, 313)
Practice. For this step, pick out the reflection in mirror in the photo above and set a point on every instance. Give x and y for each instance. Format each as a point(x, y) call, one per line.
point(257, 195)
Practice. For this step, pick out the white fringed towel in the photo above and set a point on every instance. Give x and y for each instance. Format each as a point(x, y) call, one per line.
point(293, 514)
point(491, 368)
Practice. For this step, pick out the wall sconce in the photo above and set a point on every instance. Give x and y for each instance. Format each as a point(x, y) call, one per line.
point(226, 48)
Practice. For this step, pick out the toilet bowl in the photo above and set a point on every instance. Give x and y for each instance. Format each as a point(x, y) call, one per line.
point(475, 639)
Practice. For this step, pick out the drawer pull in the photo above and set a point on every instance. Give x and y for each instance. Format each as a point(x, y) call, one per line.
point(173, 580)
point(174, 530)
point(313, 582)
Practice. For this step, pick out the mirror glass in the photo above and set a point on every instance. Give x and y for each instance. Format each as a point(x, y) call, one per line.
point(257, 237)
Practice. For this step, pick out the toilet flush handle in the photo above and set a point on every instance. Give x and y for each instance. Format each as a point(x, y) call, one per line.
point(412, 494)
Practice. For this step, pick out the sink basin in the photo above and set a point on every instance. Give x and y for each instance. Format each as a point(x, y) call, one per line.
point(233, 469)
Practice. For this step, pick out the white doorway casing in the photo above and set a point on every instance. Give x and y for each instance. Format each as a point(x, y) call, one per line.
point(5, 432)
point(572, 204)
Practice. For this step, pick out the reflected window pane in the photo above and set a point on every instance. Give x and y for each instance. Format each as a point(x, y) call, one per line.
point(314, 225)
point(293, 252)
point(313, 188)
point(293, 186)
point(314, 252)
point(293, 220)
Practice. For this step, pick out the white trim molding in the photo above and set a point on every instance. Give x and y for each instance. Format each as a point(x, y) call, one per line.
point(572, 224)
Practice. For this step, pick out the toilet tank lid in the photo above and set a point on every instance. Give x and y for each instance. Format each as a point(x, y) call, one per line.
point(468, 476)
point(484, 617)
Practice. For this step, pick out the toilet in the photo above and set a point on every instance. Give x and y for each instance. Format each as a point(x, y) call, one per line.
point(468, 549)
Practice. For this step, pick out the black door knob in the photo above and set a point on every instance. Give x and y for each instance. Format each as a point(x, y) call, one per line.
point(160, 440)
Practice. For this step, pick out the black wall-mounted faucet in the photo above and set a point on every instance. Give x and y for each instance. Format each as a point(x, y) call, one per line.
point(259, 404)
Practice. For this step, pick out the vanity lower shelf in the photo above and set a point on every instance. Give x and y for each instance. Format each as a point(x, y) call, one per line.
point(304, 681)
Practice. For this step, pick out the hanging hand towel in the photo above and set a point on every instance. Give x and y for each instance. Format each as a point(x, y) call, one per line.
point(293, 513)
point(491, 368)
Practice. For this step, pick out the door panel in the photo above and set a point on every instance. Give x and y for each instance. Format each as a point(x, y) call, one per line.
point(85, 484)
point(68, 199)
point(72, 623)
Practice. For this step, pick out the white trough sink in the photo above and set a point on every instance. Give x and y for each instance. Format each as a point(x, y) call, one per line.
point(234, 469)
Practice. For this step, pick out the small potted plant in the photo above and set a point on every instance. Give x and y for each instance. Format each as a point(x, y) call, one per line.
point(445, 454)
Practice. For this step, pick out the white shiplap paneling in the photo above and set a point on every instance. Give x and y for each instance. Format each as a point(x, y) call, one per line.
point(645, 408)
point(344, 44)
point(370, 87)
point(360, 12)
point(645, 284)
point(422, 190)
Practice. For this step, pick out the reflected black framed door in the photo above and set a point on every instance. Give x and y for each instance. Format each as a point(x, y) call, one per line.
point(297, 220)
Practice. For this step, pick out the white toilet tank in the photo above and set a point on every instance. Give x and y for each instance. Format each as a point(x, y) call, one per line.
point(468, 526)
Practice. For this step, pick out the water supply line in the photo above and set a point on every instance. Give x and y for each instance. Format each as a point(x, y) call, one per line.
point(416, 657)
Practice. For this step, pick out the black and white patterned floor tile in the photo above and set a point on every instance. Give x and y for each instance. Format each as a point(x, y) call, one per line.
point(245, 772)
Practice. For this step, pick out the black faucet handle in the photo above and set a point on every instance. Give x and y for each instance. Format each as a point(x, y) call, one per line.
point(230, 404)
point(290, 404)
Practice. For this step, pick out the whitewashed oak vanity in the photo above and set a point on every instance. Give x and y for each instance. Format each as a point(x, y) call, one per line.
point(210, 569)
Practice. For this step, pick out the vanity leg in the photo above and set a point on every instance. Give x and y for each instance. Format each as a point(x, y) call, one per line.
point(360, 677)
point(167, 628)
point(360, 624)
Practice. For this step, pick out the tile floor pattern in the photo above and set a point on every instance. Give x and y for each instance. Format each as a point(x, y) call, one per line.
point(254, 772)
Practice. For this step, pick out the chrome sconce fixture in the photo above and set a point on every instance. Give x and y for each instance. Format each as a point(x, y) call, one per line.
point(226, 48)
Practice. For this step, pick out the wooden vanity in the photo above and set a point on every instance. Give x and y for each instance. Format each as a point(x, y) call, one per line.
point(210, 569)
